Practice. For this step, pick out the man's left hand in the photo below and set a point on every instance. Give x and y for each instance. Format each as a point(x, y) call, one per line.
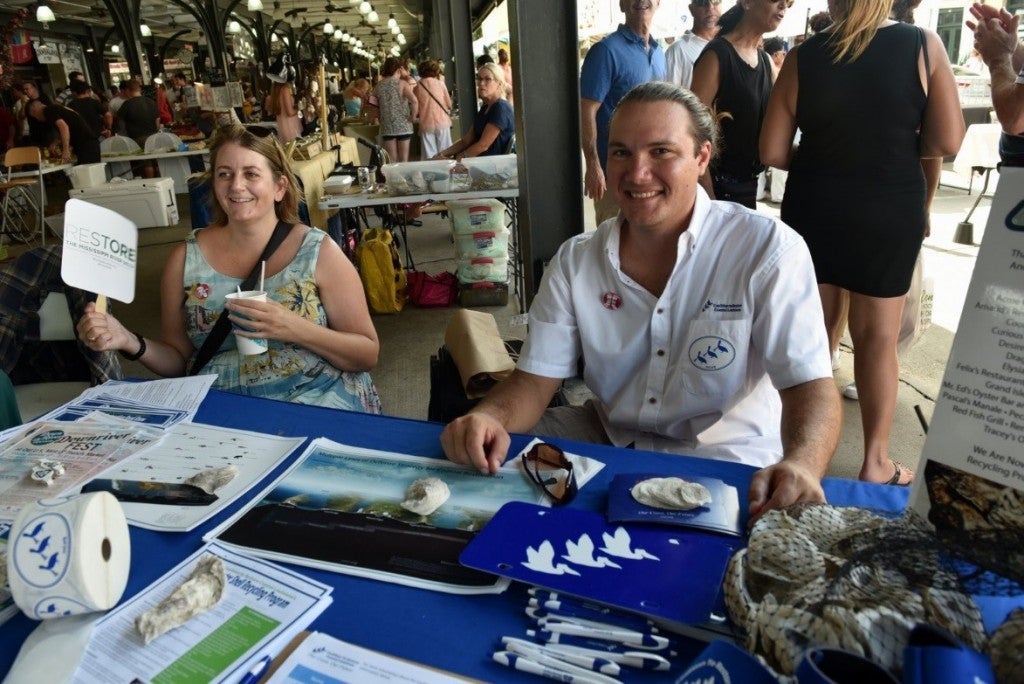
point(781, 485)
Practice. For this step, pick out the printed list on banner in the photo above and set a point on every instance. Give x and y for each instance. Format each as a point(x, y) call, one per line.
point(975, 446)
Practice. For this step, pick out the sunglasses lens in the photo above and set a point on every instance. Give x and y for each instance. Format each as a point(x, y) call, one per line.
point(548, 467)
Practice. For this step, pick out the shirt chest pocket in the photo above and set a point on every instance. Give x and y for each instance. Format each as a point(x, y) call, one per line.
point(716, 357)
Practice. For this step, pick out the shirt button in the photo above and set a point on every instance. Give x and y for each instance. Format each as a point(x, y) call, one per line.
point(661, 352)
point(660, 310)
point(652, 400)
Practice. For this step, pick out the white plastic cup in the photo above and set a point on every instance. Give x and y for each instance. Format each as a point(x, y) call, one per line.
point(248, 346)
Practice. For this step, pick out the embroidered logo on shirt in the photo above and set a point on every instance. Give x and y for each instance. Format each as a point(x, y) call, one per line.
point(611, 301)
point(202, 291)
point(712, 353)
point(721, 308)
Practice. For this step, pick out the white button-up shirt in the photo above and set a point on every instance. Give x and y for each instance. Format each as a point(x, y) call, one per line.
point(697, 369)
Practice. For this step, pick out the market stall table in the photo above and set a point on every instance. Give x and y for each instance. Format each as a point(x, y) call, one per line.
point(979, 153)
point(453, 632)
point(312, 173)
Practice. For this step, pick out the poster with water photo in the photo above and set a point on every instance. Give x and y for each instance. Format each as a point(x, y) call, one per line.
point(339, 508)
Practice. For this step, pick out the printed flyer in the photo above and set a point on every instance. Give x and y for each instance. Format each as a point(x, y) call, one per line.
point(970, 484)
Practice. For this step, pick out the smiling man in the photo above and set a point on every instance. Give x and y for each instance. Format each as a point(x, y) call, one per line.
point(699, 322)
point(682, 54)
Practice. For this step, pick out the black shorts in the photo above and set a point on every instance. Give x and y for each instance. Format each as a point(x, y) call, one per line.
point(399, 138)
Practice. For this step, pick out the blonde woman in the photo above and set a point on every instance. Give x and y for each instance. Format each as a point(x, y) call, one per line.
point(494, 124)
point(874, 98)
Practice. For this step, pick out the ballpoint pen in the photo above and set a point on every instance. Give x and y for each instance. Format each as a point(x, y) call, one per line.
point(557, 663)
point(627, 637)
point(557, 609)
point(549, 637)
point(256, 671)
point(532, 667)
point(639, 626)
point(595, 662)
point(643, 660)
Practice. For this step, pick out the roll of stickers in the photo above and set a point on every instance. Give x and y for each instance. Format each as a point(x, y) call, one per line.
point(68, 556)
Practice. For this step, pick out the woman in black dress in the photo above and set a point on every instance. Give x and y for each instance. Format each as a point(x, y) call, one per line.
point(872, 98)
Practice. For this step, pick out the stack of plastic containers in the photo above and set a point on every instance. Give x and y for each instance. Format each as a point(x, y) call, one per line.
point(481, 243)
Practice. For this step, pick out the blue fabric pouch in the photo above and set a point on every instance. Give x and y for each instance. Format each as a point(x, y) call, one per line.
point(723, 662)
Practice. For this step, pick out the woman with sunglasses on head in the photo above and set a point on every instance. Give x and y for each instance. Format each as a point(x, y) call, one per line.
point(733, 76)
point(321, 341)
point(494, 123)
point(874, 99)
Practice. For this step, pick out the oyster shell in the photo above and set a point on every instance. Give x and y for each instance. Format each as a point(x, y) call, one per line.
point(671, 493)
point(201, 591)
point(426, 495)
point(212, 479)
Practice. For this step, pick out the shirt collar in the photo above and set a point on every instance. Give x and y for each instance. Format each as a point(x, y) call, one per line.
point(688, 239)
point(632, 36)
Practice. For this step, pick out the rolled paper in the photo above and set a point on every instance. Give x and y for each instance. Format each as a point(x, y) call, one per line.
point(68, 556)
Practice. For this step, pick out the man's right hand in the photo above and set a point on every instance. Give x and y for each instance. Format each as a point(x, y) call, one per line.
point(594, 182)
point(476, 439)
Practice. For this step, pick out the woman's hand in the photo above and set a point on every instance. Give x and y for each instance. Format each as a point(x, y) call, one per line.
point(267, 319)
point(102, 332)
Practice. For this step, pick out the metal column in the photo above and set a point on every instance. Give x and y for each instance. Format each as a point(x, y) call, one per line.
point(545, 76)
point(461, 22)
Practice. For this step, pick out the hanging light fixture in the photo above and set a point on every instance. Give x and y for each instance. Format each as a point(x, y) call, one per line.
point(115, 48)
point(234, 27)
point(44, 15)
point(364, 7)
point(337, 34)
point(255, 5)
point(392, 22)
point(373, 17)
point(345, 36)
point(328, 28)
point(400, 38)
point(145, 30)
point(395, 30)
point(273, 38)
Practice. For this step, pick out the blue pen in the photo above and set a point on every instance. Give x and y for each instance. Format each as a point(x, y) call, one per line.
point(256, 671)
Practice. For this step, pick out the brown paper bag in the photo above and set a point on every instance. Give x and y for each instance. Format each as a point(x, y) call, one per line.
point(479, 353)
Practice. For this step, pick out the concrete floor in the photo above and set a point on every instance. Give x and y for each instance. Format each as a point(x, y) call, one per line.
point(410, 337)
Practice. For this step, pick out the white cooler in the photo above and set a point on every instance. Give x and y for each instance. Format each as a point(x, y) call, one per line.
point(147, 202)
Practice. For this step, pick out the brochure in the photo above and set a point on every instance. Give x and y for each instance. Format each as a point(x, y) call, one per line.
point(320, 657)
point(263, 607)
point(339, 508)
point(970, 482)
point(191, 448)
point(722, 515)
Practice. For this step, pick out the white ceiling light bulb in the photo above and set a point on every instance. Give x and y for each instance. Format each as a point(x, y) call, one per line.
point(345, 36)
point(364, 7)
point(359, 43)
point(44, 15)
point(392, 23)
point(255, 5)
point(395, 30)
point(234, 27)
point(328, 27)
point(401, 39)
point(115, 48)
point(372, 17)
point(145, 30)
point(337, 34)
point(273, 38)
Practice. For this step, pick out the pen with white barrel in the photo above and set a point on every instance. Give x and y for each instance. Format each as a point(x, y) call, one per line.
point(532, 667)
point(557, 609)
point(548, 637)
point(642, 660)
point(627, 637)
point(595, 662)
point(554, 618)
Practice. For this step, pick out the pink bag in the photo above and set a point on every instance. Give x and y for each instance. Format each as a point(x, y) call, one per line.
point(432, 290)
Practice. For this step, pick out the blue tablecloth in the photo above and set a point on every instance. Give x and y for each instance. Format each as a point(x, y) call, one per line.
point(457, 633)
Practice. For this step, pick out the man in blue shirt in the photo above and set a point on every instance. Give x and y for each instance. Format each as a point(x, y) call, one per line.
point(621, 60)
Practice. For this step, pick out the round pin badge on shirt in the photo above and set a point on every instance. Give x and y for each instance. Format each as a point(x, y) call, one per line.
point(611, 300)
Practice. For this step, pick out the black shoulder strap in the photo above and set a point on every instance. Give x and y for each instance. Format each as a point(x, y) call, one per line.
point(223, 325)
point(923, 42)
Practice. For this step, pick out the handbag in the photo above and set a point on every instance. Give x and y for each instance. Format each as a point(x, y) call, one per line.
point(432, 290)
point(220, 329)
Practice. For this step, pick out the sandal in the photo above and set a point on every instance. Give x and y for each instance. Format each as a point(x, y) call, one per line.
point(899, 470)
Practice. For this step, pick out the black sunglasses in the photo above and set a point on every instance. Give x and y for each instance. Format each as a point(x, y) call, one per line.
point(551, 470)
point(706, 3)
point(260, 131)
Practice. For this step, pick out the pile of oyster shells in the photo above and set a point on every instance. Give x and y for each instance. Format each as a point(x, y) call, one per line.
point(819, 575)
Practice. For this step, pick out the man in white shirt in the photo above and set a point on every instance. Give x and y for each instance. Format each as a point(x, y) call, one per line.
point(682, 54)
point(699, 322)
